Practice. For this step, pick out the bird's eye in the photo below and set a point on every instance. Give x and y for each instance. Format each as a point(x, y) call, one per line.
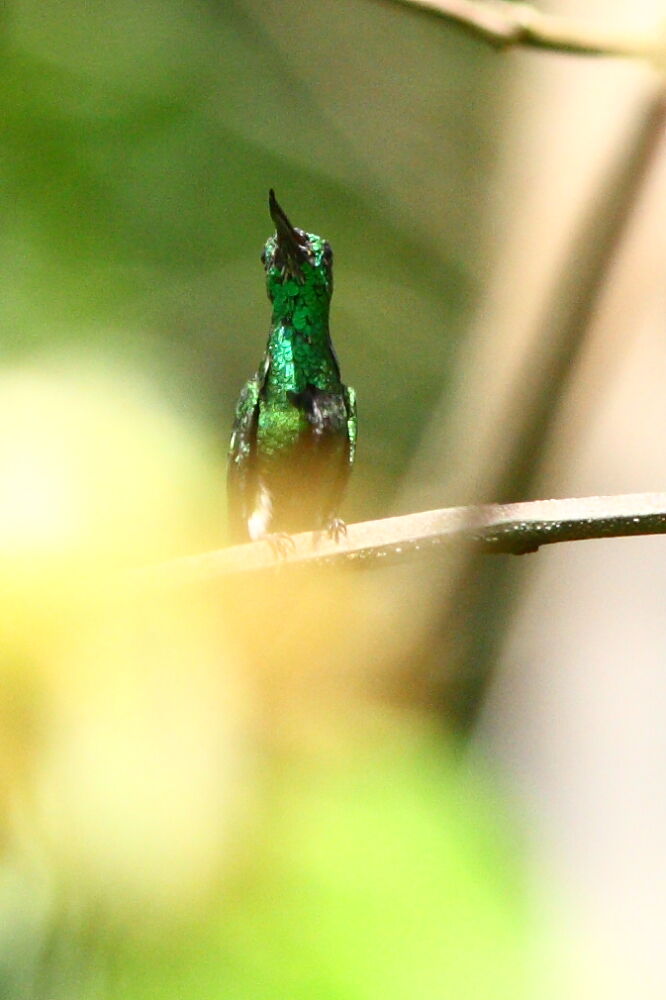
point(263, 256)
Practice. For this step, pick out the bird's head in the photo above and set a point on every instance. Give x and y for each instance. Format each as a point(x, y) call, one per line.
point(296, 263)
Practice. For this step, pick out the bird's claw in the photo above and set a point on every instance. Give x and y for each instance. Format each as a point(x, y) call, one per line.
point(336, 529)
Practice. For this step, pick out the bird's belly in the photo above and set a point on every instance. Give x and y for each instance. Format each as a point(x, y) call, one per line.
point(299, 475)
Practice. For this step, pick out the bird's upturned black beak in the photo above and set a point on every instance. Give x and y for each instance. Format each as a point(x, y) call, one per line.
point(292, 244)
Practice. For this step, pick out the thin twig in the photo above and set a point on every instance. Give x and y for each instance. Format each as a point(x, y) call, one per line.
point(511, 528)
point(504, 24)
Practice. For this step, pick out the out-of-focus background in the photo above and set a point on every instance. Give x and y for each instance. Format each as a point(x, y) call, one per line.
point(439, 779)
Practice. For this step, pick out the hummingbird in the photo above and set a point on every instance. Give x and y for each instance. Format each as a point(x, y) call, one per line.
point(294, 435)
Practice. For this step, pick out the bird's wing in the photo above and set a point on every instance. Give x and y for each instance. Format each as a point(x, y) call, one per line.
point(352, 422)
point(344, 465)
point(241, 468)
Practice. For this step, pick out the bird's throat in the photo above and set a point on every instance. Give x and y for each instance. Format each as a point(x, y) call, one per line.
point(299, 359)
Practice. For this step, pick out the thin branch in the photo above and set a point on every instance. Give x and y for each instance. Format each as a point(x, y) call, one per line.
point(552, 364)
point(504, 458)
point(504, 24)
point(511, 528)
point(493, 450)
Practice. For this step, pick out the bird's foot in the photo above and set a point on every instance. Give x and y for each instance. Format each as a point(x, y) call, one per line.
point(281, 543)
point(336, 529)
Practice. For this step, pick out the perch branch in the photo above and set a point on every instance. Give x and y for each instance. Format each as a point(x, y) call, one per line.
point(502, 23)
point(511, 528)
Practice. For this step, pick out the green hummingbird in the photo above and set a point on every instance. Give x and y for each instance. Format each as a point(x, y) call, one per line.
point(294, 435)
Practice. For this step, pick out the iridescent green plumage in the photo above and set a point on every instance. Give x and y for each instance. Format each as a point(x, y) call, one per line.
point(294, 434)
